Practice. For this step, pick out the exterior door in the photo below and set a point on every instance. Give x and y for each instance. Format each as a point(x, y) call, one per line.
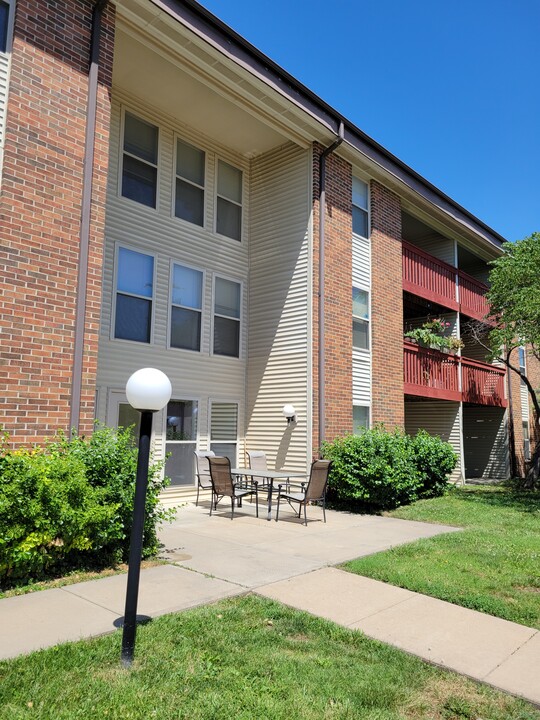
point(181, 441)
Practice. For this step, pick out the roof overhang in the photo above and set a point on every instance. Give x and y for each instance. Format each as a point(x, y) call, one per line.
point(230, 64)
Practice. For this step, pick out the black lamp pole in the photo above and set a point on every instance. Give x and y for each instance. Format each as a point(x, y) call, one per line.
point(136, 543)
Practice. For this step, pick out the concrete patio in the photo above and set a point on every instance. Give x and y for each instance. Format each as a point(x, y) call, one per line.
point(210, 558)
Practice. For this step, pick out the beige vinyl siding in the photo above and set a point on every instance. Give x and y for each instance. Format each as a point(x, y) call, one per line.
point(438, 246)
point(437, 418)
point(361, 369)
point(361, 360)
point(194, 375)
point(279, 356)
point(485, 442)
point(524, 397)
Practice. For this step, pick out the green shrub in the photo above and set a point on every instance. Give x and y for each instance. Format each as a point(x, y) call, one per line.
point(70, 504)
point(434, 460)
point(110, 460)
point(49, 513)
point(380, 470)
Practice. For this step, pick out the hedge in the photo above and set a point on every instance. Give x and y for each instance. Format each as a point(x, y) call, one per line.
point(380, 470)
point(70, 504)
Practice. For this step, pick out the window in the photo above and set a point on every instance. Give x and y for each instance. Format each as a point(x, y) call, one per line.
point(139, 171)
point(189, 199)
point(181, 437)
point(229, 201)
point(360, 319)
point(360, 214)
point(224, 430)
point(522, 356)
point(4, 22)
point(134, 292)
point(360, 418)
point(526, 441)
point(186, 308)
point(227, 317)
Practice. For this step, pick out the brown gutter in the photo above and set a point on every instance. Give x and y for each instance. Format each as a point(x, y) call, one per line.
point(86, 206)
point(322, 227)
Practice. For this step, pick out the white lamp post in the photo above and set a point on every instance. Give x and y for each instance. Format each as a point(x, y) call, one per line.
point(148, 390)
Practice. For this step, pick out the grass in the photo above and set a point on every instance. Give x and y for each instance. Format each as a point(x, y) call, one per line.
point(491, 566)
point(246, 658)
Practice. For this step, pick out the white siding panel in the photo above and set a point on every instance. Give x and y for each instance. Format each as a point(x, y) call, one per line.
point(438, 418)
point(524, 398)
point(4, 74)
point(485, 442)
point(279, 305)
point(361, 369)
point(361, 262)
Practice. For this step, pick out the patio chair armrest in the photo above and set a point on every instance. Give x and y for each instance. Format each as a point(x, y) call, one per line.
point(293, 486)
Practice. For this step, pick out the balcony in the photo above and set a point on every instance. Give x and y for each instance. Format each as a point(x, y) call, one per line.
point(439, 282)
point(433, 374)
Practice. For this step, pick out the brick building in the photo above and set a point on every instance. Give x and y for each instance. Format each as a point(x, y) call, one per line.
point(161, 192)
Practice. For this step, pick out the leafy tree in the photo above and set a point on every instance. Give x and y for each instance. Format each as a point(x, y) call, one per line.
point(514, 297)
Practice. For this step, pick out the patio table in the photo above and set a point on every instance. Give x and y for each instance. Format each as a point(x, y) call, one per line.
point(271, 475)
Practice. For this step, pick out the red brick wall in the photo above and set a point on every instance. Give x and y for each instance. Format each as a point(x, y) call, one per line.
point(338, 298)
point(41, 211)
point(386, 308)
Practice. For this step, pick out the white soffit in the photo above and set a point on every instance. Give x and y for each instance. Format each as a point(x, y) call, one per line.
point(157, 58)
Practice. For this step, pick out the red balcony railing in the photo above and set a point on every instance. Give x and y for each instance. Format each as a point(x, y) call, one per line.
point(433, 374)
point(482, 384)
point(430, 373)
point(472, 296)
point(428, 277)
point(435, 280)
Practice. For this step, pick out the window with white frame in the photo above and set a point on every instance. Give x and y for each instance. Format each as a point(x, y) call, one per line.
point(360, 213)
point(140, 160)
point(360, 418)
point(526, 441)
point(134, 295)
point(227, 300)
point(360, 303)
point(229, 201)
point(186, 307)
point(4, 24)
point(224, 429)
point(190, 176)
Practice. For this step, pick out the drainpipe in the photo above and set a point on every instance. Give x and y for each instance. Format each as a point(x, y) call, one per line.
point(511, 436)
point(86, 204)
point(322, 212)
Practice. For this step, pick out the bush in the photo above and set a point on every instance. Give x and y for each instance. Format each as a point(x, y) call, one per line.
point(434, 460)
point(70, 504)
point(379, 470)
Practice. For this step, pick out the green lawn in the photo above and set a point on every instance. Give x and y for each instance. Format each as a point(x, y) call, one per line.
point(493, 565)
point(245, 658)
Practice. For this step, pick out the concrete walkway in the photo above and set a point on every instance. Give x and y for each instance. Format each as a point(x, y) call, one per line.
point(213, 558)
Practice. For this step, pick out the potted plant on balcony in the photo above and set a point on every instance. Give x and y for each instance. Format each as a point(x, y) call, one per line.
point(432, 334)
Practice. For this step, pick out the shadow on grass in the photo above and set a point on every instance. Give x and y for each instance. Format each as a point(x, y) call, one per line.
point(501, 496)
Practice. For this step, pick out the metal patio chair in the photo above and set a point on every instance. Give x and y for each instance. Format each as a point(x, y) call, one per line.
point(223, 485)
point(257, 461)
point(313, 491)
point(204, 480)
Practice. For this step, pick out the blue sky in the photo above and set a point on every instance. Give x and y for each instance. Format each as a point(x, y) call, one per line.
point(452, 89)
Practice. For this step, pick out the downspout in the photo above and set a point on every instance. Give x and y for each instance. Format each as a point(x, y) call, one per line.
point(322, 212)
point(86, 206)
point(511, 435)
